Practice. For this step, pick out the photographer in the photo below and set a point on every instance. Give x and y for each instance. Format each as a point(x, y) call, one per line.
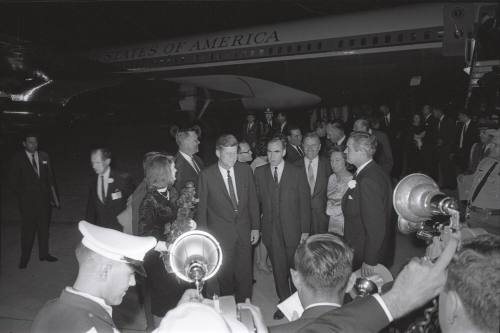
point(322, 275)
point(469, 292)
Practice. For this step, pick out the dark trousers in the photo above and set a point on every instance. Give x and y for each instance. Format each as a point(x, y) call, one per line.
point(319, 221)
point(235, 274)
point(282, 260)
point(35, 221)
point(165, 289)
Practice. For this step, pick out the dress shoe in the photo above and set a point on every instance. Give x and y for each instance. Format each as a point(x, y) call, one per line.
point(49, 258)
point(278, 315)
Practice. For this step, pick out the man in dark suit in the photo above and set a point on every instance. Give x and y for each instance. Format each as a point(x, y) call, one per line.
point(391, 125)
point(108, 192)
point(446, 138)
point(336, 134)
point(284, 199)
point(383, 155)
point(429, 163)
point(229, 209)
point(187, 163)
point(269, 125)
point(294, 151)
point(317, 170)
point(468, 134)
point(32, 180)
point(463, 278)
point(322, 275)
point(367, 207)
point(282, 126)
point(251, 130)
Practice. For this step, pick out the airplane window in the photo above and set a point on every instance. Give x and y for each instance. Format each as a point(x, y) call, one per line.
point(252, 53)
point(363, 41)
point(299, 48)
point(352, 42)
point(387, 38)
point(289, 49)
point(413, 36)
point(400, 37)
point(340, 44)
point(427, 35)
point(319, 45)
point(279, 49)
point(261, 51)
point(270, 50)
point(375, 40)
point(308, 47)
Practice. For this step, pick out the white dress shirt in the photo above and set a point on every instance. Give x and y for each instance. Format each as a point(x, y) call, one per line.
point(280, 166)
point(36, 160)
point(314, 165)
point(223, 172)
point(99, 184)
point(190, 160)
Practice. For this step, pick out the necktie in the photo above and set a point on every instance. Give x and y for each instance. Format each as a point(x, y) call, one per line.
point(387, 122)
point(196, 167)
point(103, 190)
point(310, 176)
point(275, 176)
point(232, 194)
point(301, 152)
point(34, 164)
point(462, 133)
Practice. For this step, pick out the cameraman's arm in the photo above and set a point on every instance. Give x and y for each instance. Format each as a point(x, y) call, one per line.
point(419, 282)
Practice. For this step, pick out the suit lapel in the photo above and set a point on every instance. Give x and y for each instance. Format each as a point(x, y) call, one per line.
point(187, 163)
point(319, 175)
point(269, 179)
point(283, 181)
point(29, 165)
point(221, 182)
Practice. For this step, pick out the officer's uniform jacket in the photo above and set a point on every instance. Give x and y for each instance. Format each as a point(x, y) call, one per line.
point(73, 313)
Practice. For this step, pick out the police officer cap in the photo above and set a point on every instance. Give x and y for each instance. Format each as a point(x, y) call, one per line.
point(116, 245)
point(268, 111)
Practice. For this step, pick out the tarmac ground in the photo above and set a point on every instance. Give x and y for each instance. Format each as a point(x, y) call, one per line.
point(23, 292)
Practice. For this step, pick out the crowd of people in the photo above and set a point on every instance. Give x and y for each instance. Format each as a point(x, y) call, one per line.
point(314, 207)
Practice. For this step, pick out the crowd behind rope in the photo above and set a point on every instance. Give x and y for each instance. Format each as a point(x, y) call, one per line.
point(274, 187)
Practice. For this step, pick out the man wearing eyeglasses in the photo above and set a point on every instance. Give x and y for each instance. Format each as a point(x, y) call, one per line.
point(245, 154)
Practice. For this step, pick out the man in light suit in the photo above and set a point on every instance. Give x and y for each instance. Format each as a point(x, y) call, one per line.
point(322, 275)
point(383, 155)
point(367, 206)
point(32, 180)
point(284, 198)
point(187, 163)
point(317, 170)
point(108, 192)
point(229, 209)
